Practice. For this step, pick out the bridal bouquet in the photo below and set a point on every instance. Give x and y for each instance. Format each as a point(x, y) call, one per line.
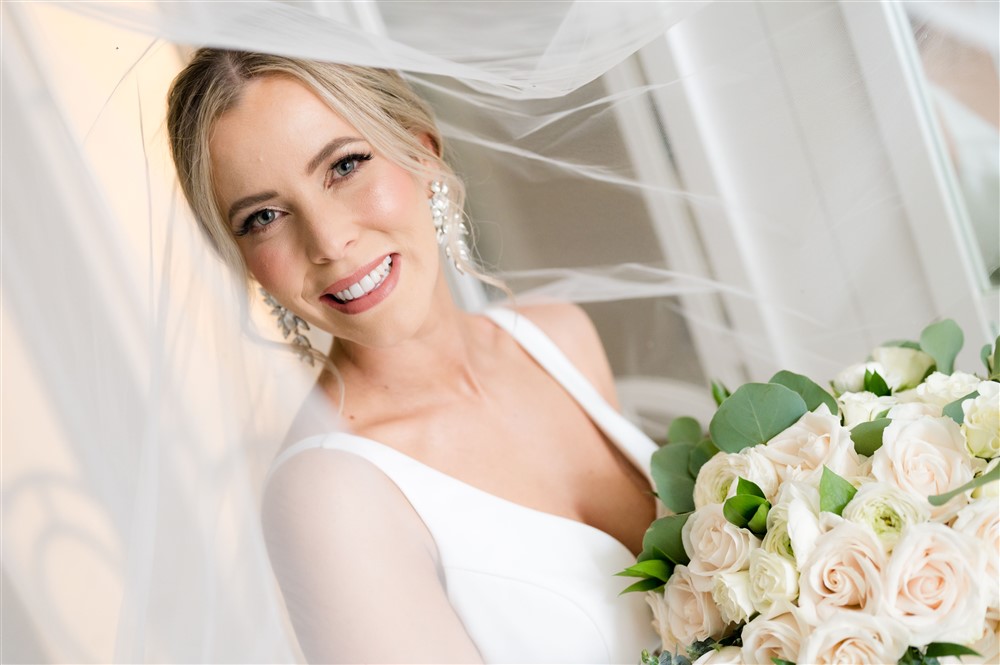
point(860, 525)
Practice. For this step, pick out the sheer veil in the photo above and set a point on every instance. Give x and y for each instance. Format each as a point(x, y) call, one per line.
point(729, 188)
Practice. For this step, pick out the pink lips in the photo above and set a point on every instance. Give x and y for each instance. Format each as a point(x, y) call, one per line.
point(368, 300)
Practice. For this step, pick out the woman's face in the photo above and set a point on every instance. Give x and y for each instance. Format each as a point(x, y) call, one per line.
point(337, 233)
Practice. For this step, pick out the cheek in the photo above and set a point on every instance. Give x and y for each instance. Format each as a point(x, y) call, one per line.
point(396, 201)
point(269, 265)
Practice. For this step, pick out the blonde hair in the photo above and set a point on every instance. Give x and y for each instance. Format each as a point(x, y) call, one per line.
point(377, 102)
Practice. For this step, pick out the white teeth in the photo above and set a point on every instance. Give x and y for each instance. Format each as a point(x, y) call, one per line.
point(368, 283)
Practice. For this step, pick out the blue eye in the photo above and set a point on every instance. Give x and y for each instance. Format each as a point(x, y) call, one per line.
point(346, 167)
point(258, 220)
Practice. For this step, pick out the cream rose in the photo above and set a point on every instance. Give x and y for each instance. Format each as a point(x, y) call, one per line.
point(932, 585)
point(924, 457)
point(943, 389)
point(793, 522)
point(852, 379)
point(981, 520)
point(981, 421)
point(715, 545)
point(862, 407)
point(854, 637)
point(774, 582)
point(904, 368)
point(723, 656)
point(731, 592)
point(716, 480)
point(661, 621)
point(691, 615)
point(843, 572)
point(886, 510)
point(776, 637)
point(816, 440)
point(913, 410)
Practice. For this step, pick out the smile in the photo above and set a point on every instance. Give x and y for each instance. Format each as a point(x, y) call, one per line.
point(365, 288)
point(366, 284)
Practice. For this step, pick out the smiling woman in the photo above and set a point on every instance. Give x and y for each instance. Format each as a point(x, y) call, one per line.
point(335, 197)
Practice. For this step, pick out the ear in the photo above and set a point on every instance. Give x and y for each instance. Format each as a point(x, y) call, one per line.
point(429, 143)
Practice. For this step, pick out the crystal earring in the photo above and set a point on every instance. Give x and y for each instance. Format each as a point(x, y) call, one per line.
point(291, 326)
point(450, 226)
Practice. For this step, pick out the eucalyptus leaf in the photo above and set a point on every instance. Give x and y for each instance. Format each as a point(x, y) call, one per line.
point(661, 570)
point(954, 409)
point(938, 649)
point(989, 477)
point(867, 437)
point(650, 584)
point(719, 392)
point(985, 356)
point(684, 430)
point(674, 484)
point(812, 393)
point(942, 341)
point(740, 509)
point(664, 536)
point(754, 414)
point(834, 492)
point(995, 370)
point(704, 451)
point(875, 384)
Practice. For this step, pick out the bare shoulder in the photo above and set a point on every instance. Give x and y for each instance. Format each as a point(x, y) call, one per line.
point(574, 333)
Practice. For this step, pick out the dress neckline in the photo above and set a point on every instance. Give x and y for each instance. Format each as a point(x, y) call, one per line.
point(619, 432)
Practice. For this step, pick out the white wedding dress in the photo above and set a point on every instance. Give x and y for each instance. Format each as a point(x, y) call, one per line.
point(527, 586)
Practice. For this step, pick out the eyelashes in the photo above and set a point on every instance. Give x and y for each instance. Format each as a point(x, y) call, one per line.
point(339, 171)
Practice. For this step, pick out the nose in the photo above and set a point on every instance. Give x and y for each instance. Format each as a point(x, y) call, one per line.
point(327, 235)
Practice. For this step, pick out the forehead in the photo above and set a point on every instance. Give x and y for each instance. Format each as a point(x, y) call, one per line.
point(277, 122)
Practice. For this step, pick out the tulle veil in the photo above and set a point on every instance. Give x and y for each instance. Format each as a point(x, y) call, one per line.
point(729, 188)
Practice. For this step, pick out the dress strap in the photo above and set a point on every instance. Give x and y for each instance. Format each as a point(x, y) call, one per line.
point(630, 439)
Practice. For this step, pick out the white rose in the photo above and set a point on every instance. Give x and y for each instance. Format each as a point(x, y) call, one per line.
point(661, 623)
point(989, 489)
point(793, 522)
point(843, 572)
point(774, 582)
point(690, 614)
point(913, 410)
point(776, 637)
point(987, 646)
point(731, 592)
point(924, 457)
point(886, 510)
point(854, 637)
point(816, 440)
point(932, 585)
point(753, 465)
point(723, 656)
point(716, 480)
point(943, 389)
point(904, 368)
point(862, 407)
point(852, 379)
point(715, 545)
point(981, 520)
point(981, 425)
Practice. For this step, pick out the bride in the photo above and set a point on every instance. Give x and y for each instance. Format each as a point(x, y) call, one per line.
point(485, 490)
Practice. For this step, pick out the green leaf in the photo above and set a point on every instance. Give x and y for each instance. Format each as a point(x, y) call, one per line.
point(912, 656)
point(661, 570)
point(754, 414)
point(642, 585)
point(740, 509)
point(811, 393)
point(904, 343)
point(664, 537)
point(942, 341)
point(684, 430)
point(703, 452)
point(834, 492)
point(674, 485)
point(875, 384)
point(995, 369)
point(719, 392)
point(954, 409)
point(758, 523)
point(748, 487)
point(941, 499)
point(867, 437)
point(938, 649)
point(781, 661)
point(984, 355)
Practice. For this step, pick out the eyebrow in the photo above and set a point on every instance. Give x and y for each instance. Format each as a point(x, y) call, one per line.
point(321, 156)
